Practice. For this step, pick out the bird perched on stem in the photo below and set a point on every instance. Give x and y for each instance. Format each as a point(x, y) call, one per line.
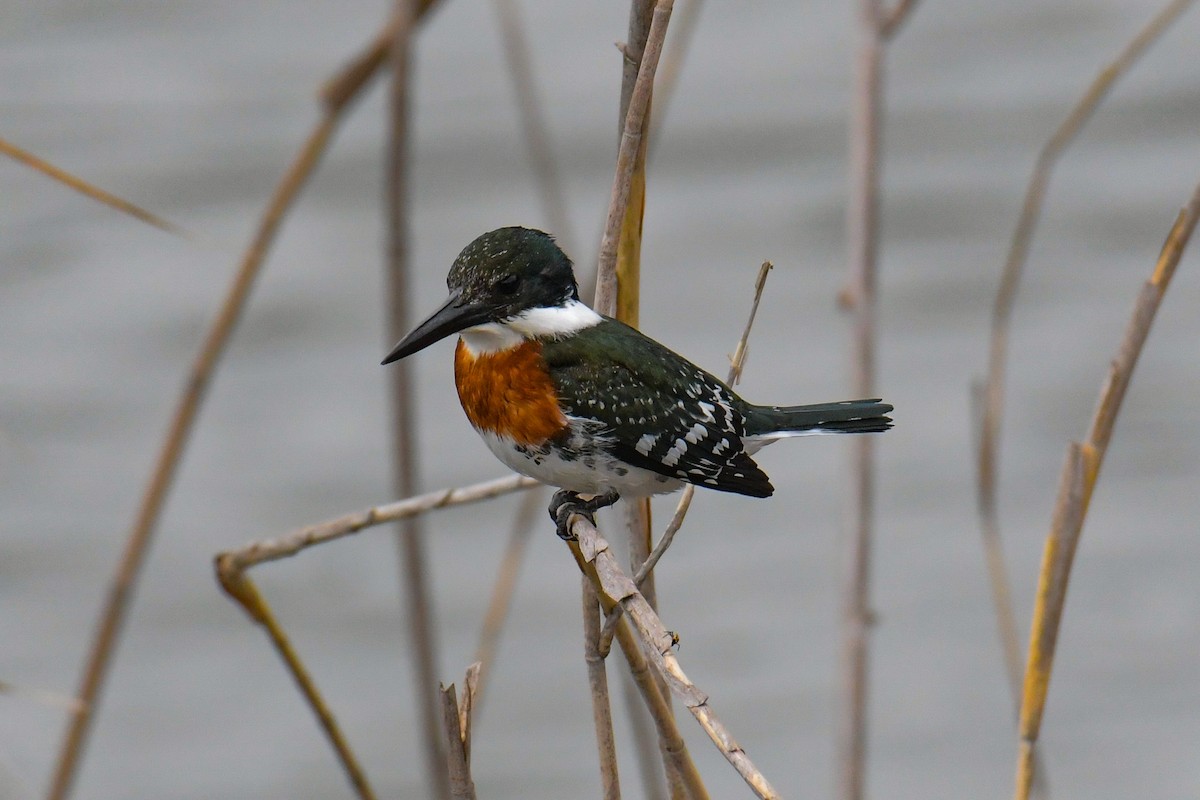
point(586, 403)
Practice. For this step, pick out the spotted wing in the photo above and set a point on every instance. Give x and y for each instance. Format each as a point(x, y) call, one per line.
point(662, 412)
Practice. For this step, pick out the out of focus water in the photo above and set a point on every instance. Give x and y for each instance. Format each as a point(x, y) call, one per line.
point(194, 108)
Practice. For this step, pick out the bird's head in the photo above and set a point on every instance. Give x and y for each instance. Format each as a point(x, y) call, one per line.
point(497, 278)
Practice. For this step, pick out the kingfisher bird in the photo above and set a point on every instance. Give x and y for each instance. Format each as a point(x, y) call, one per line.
point(586, 403)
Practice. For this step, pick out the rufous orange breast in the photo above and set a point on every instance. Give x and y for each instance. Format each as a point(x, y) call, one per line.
point(509, 393)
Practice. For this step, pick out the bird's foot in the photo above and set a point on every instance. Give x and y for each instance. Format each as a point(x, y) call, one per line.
point(564, 503)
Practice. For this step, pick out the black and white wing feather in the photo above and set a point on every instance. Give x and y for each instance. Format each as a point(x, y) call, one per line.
point(659, 411)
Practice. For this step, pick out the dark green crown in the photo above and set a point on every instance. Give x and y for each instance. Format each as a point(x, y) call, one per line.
point(510, 270)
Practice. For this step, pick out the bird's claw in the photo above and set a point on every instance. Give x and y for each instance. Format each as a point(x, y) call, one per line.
point(564, 503)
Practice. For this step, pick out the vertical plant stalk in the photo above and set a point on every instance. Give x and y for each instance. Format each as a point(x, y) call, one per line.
point(606, 746)
point(121, 585)
point(1076, 487)
point(636, 515)
point(456, 721)
point(862, 228)
point(631, 135)
point(992, 391)
point(418, 601)
point(875, 25)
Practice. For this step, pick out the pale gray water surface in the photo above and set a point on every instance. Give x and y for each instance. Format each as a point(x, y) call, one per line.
point(194, 108)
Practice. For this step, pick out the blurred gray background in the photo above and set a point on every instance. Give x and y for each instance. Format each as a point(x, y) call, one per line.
point(194, 108)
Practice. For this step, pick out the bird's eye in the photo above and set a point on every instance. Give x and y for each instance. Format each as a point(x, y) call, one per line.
point(508, 284)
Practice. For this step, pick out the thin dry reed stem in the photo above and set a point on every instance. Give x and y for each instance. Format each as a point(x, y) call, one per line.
point(336, 91)
point(625, 307)
point(670, 739)
point(300, 539)
point(91, 190)
point(456, 725)
point(232, 565)
point(875, 24)
point(350, 82)
point(992, 391)
point(631, 136)
point(606, 746)
point(1076, 487)
point(241, 588)
point(417, 597)
point(596, 561)
point(112, 613)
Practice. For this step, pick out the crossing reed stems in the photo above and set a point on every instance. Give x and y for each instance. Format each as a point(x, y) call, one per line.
point(991, 392)
point(121, 584)
point(649, 636)
point(1076, 486)
point(232, 568)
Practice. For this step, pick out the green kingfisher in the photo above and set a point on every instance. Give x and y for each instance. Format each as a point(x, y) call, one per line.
point(586, 403)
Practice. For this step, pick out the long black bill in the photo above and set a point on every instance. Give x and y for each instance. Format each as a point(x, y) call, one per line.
point(452, 317)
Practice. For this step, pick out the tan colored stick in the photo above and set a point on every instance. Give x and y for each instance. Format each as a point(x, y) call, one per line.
point(90, 190)
point(291, 543)
point(606, 746)
point(1075, 493)
point(631, 135)
point(112, 613)
point(120, 587)
point(456, 722)
point(416, 597)
point(876, 25)
point(241, 588)
point(622, 280)
point(670, 740)
point(339, 89)
point(595, 559)
point(992, 392)
point(232, 566)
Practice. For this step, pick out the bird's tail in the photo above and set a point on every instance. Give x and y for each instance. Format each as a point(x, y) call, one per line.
point(765, 424)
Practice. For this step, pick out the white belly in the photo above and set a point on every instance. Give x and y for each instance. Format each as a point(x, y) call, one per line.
point(589, 470)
